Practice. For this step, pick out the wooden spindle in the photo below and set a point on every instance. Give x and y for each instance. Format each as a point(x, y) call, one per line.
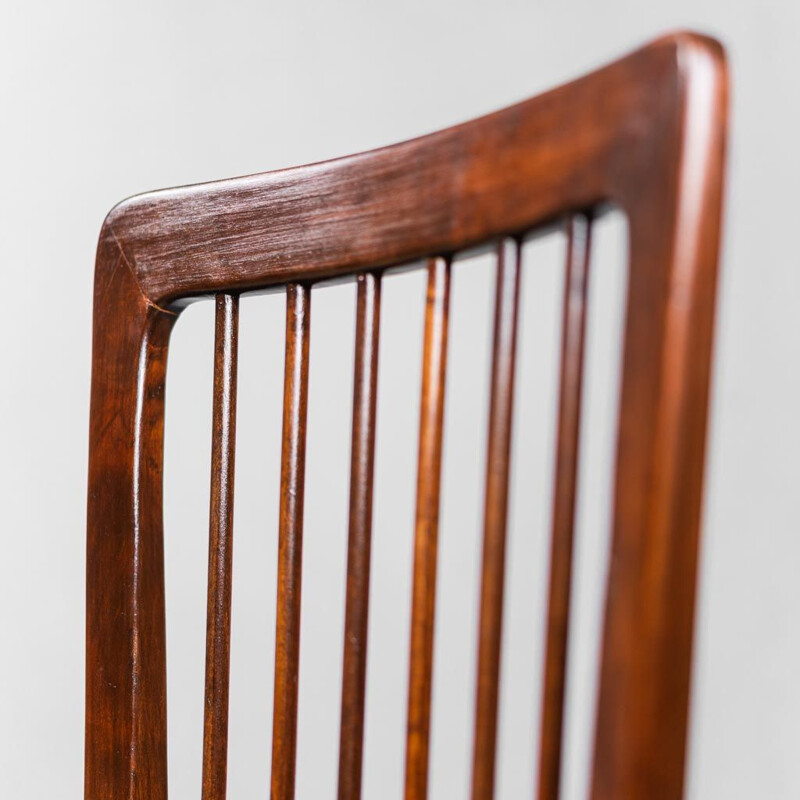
point(495, 514)
point(220, 553)
point(290, 541)
point(564, 494)
point(362, 458)
point(426, 528)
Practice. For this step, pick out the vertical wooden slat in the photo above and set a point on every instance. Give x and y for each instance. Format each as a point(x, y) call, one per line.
point(220, 550)
point(564, 494)
point(495, 513)
point(290, 541)
point(426, 528)
point(365, 383)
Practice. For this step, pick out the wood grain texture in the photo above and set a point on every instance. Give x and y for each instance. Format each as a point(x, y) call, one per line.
point(290, 541)
point(564, 497)
point(220, 550)
point(646, 133)
point(495, 517)
point(362, 461)
point(126, 721)
point(584, 143)
point(426, 531)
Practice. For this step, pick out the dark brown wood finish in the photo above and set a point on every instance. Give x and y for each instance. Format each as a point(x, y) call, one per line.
point(645, 133)
point(429, 470)
point(495, 516)
point(126, 721)
point(565, 490)
point(220, 553)
point(362, 460)
point(290, 541)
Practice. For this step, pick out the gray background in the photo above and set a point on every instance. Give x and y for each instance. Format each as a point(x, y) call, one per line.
point(100, 101)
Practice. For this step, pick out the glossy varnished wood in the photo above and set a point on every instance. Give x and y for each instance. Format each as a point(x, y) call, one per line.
point(220, 551)
point(290, 541)
point(495, 516)
point(126, 726)
point(640, 738)
point(645, 133)
point(429, 469)
point(362, 460)
point(439, 193)
point(565, 486)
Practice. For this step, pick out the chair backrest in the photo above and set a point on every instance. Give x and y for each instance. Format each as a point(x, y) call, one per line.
point(645, 134)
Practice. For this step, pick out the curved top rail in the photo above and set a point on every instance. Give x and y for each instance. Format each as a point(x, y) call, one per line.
point(583, 143)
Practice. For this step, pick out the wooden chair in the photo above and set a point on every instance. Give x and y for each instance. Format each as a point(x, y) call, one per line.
point(646, 134)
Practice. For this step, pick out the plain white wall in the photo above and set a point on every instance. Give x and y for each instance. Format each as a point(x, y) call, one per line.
point(100, 101)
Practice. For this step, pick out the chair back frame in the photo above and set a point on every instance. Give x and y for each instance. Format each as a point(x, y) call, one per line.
point(646, 134)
